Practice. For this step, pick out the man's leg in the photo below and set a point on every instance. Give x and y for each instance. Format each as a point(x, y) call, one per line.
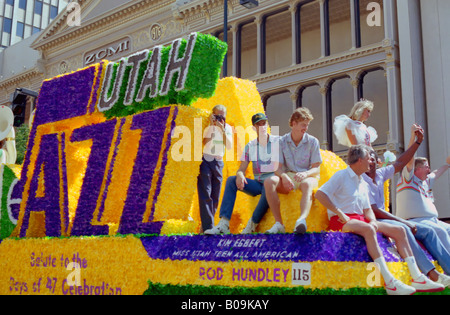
point(306, 186)
point(422, 260)
point(420, 281)
point(271, 185)
point(440, 231)
point(204, 196)
point(272, 188)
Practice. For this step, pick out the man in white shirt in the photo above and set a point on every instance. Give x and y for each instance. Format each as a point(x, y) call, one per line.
point(415, 200)
point(346, 197)
point(218, 137)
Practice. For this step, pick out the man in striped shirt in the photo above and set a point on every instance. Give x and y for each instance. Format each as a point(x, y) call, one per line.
point(415, 201)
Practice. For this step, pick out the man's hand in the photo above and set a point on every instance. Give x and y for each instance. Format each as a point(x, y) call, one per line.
point(343, 218)
point(287, 183)
point(241, 181)
point(419, 134)
point(374, 224)
point(300, 177)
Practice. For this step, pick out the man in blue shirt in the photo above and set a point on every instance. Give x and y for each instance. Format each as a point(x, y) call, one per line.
point(300, 161)
point(262, 152)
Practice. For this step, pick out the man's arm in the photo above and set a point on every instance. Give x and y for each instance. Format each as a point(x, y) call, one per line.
point(241, 181)
point(414, 128)
point(408, 157)
point(384, 215)
point(327, 203)
point(312, 172)
point(439, 172)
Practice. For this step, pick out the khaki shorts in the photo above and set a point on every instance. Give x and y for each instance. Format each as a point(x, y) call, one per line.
point(297, 184)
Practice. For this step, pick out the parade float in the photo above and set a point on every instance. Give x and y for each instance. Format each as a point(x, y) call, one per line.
point(105, 202)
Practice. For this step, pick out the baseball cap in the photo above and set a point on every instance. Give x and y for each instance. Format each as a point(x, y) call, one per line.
point(258, 117)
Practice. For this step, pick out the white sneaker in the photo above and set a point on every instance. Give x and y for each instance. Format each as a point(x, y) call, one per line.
point(250, 228)
point(222, 228)
point(444, 280)
point(300, 226)
point(278, 228)
point(396, 287)
point(423, 284)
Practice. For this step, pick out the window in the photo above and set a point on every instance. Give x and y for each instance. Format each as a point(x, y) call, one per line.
point(23, 4)
point(310, 33)
point(370, 34)
point(374, 88)
point(340, 26)
point(7, 25)
point(10, 2)
point(279, 109)
point(53, 12)
point(278, 41)
point(342, 101)
point(229, 52)
point(38, 7)
point(311, 98)
point(20, 29)
point(248, 66)
point(36, 29)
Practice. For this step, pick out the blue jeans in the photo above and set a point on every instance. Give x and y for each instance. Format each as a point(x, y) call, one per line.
point(428, 237)
point(253, 188)
point(209, 183)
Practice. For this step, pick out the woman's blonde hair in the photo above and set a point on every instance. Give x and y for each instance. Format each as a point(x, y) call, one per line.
point(359, 109)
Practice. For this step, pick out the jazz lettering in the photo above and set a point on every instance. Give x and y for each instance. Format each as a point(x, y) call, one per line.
point(50, 168)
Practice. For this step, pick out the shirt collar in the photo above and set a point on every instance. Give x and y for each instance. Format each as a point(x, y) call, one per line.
point(353, 174)
point(304, 140)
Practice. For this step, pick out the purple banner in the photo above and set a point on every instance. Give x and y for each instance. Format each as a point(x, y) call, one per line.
point(340, 247)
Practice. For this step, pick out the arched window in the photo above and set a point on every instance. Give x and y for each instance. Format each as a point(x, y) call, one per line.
point(340, 26)
point(247, 66)
point(310, 32)
point(373, 86)
point(310, 97)
point(279, 109)
point(278, 41)
point(340, 102)
point(370, 34)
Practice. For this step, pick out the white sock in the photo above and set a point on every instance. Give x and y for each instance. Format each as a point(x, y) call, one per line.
point(413, 268)
point(387, 275)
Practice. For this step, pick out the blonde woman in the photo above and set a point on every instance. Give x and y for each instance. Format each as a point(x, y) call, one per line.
point(351, 130)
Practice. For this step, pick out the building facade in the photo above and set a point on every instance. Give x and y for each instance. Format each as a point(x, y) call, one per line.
point(320, 54)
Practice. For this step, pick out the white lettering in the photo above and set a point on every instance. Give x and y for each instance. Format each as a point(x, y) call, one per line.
point(74, 17)
point(374, 18)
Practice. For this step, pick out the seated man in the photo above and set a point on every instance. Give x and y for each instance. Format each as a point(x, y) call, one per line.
point(262, 152)
point(299, 168)
point(346, 197)
point(376, 178)
point(415, 201)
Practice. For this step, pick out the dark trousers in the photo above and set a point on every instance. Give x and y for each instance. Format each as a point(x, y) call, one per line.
point(209, 183)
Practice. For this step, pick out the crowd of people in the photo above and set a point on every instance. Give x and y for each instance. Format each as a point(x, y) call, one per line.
point(354, 196)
